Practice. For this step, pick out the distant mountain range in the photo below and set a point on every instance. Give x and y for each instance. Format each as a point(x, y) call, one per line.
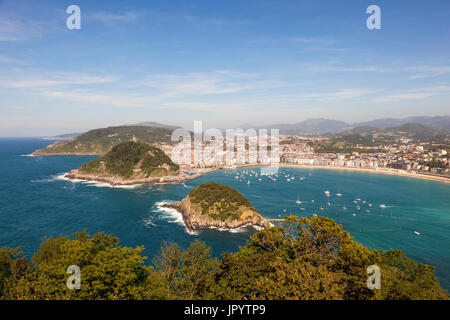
point(153, 124)
point(323, 126)
point(413, 131)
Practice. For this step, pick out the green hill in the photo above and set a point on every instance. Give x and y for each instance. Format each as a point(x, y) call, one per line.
point(412, 131)
point(221, 202)
point(100, 141)
point(131, 160)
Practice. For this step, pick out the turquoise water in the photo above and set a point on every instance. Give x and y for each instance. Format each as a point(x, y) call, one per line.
point(36, 203)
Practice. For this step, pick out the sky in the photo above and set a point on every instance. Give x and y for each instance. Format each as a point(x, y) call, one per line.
point(227, 63)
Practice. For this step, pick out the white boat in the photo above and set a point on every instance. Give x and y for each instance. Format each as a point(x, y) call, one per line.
point(327, 193)
point(298, 202)
point(344, 207)
point(417, 233)
point(248, 182)
point(338, 194)
point(312, 201)
point(382, 206)
point(370, 204)
point(314, 215)
point(354, 215)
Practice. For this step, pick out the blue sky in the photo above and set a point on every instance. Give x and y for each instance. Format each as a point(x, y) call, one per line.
point(227, 63)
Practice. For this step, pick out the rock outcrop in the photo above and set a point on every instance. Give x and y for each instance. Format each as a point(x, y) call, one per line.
point(194, 219)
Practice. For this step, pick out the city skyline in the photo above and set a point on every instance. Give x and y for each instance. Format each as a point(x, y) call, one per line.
point(224, 63)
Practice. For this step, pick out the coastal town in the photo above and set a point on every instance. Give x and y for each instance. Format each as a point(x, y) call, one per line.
point(404, 155)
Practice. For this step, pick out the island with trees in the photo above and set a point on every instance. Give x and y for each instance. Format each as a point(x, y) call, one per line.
point(130, 163)
point(213, 205)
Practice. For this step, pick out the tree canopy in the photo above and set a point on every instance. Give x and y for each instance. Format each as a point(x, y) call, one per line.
point(304, 259)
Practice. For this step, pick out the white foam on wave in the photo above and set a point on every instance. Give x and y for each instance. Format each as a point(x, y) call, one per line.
point(169, 212)
point(172, 215)
point(62, 176)
point(177, 217)
point(241, 229)
point(28, 155)
point(149, 222)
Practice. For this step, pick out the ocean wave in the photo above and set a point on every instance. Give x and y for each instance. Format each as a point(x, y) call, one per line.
point(169, 212)
point(148, 222)
point(28, 155)
point(62, 176)
point(241, 229)
point(172, 215)
point(176, 217)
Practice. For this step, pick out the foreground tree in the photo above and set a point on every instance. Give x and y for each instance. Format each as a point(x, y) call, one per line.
point(315, 259)
point(306, 259)
point(108, 271)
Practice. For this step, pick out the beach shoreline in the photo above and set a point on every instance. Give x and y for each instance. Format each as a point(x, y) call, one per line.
point(395, 172)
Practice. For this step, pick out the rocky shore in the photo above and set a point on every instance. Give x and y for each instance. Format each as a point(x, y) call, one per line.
point(115, 181)
point(193, 218)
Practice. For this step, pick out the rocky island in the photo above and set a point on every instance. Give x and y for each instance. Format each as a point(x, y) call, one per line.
point(218, 206)
point(131, 163)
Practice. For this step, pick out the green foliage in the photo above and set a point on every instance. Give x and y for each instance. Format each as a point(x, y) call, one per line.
point(108, 270)
point(100, 141)
point(316, 259)
point(220, 201)
point(185, 274)
point(128, 156)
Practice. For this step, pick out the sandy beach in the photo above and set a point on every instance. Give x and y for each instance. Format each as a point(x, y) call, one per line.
point(368, 170)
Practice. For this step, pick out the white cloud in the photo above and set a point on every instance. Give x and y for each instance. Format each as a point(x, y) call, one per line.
point(414, 94)
point(425, 72)
point(30, 81)
point(213, 21)
point(324, 68)
point(342, 94)
point(312, 40)
point(4, 59)
point(112, 18)
point(217, 82)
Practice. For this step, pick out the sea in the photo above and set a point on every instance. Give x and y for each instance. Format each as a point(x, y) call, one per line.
point(380, 211)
